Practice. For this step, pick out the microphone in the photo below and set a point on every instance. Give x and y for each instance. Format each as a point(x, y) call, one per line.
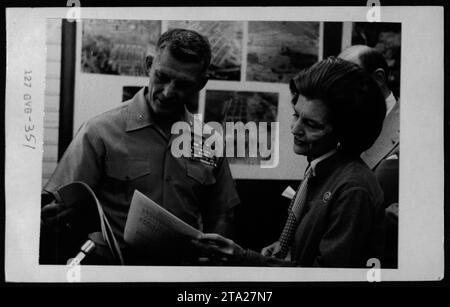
point(85, 249)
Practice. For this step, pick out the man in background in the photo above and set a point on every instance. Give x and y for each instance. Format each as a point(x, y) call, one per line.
point(383, 156)
point(128, 148)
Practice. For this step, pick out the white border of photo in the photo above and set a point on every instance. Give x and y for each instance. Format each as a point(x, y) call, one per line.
point(421, 223)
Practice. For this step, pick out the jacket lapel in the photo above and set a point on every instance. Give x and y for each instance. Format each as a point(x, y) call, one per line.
point(386, 141)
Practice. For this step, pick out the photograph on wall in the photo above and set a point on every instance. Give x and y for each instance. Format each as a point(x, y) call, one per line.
point(118, 47)
point(277, 50)
point(240, 106)
point(225, 38)
point(385, 37)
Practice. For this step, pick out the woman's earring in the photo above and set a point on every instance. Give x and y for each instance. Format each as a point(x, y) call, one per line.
point(338, 146)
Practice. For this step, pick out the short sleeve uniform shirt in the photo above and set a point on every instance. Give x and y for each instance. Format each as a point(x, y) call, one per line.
point(123, 150)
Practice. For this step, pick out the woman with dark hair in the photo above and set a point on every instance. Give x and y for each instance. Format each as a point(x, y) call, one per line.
point(335, 219)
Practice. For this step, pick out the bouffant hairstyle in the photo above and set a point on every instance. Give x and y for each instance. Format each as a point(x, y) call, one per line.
point(355, 103)
point(186, 45)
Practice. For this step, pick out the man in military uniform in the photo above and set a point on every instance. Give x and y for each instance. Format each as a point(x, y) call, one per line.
point(129, 148)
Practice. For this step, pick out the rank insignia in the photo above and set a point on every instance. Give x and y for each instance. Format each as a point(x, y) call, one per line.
point(200, 153)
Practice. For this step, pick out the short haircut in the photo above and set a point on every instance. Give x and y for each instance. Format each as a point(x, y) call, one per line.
point(372, 59)
point(187, 46)
point(354, 101)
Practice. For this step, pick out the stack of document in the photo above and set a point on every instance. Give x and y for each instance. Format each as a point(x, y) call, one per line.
point(154, 231)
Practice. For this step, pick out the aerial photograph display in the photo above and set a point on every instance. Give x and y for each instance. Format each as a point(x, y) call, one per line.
point(239, 106)
point(225, 38)
point(118, 47)
point(277, 50)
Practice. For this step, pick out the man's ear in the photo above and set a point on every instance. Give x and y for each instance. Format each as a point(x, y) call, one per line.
point(148, 63)
point(380, 75)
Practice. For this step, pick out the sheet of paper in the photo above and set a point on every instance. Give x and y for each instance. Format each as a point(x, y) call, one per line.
point(155, 230)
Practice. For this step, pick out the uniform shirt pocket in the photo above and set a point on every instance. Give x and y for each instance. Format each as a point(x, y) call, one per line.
point(201, 173)
point(127, 169)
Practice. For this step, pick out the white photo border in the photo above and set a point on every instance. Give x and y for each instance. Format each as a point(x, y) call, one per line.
point(421, 223)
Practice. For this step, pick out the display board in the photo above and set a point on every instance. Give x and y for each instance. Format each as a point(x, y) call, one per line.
point(252, 63)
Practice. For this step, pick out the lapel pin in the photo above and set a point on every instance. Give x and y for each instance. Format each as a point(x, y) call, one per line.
point(326, 197)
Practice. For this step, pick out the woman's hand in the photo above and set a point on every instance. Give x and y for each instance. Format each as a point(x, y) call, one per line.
point(271, 250)
point(219, 248)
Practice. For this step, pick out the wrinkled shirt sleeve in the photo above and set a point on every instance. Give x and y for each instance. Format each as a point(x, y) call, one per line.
point(82, 161)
